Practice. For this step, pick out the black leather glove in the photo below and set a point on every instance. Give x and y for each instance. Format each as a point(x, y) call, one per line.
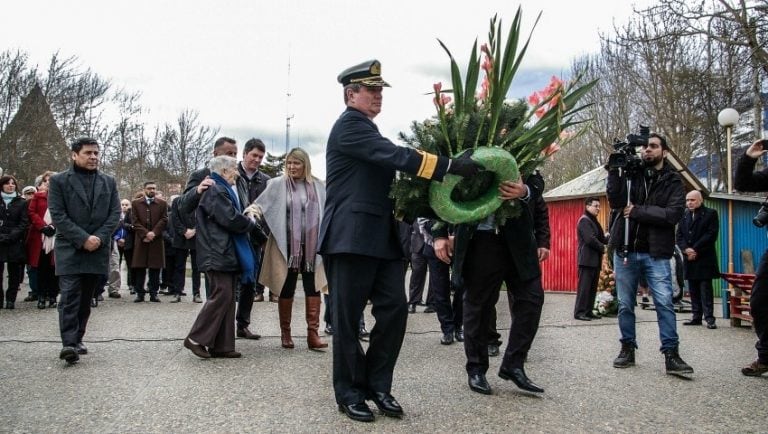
point(48, 231)
point(464, 166)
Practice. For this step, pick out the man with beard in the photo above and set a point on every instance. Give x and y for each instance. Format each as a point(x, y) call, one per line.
point(652, 207)
point(150, 216)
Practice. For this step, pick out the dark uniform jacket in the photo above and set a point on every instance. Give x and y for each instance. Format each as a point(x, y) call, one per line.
point(13, 230)
point(659, 203)
point(698, 230)
point(361, 166)
point(180, 222)
point(76, 216)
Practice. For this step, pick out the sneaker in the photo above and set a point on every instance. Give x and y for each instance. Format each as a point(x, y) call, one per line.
point(674, 364)
point(755, 369)
point(197, 299)
point(626, 357)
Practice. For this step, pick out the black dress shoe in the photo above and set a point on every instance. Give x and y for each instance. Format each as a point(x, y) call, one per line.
point(81, 348)
point(69, 354)
point(582, 318)
point(459, 335)
point(328, 329)
point(478, 383)
point(387, 404)
point(429, 309)
point(711, 326)
point(447, 339)
point(692, 322)
point(154, 299)
point(358, 411)
point(114, 295)
point(517, 375)
point(226, 354)
point(139, 299)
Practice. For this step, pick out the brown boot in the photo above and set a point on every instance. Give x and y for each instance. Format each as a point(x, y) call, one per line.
point(313, 323)
point(284, 309)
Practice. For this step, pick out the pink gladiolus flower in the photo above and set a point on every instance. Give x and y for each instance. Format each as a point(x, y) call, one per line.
point(487, 65)
point(438, 86)
point(484, 49)
point(445, 100)
point(551, 149)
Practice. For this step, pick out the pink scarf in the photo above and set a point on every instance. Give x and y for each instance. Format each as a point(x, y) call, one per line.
point(303, 226)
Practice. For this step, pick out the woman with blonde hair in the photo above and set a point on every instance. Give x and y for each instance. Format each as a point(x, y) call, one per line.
point(292, 207)
point(40, 243)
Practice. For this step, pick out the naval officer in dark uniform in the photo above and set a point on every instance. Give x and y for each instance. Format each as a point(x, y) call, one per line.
point(359, 242)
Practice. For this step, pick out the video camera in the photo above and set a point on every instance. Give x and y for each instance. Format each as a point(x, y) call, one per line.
point(626, 157)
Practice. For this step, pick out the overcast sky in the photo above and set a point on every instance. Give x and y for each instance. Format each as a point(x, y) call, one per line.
point(229, 59)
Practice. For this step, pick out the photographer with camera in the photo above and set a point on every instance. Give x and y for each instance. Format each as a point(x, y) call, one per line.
point(746, 179)
point(647, 199)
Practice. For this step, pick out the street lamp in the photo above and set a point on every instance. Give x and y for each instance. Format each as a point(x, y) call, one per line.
point(728, 118)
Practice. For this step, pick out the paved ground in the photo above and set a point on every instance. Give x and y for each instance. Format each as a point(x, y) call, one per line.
point(139, 378)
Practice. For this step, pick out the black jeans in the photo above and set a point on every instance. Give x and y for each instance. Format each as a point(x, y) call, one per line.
point(449, 313)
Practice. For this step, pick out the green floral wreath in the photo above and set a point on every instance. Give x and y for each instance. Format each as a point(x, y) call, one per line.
point(494, 159)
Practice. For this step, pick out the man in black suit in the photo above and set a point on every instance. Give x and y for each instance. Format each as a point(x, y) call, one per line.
point(359, 242)
point(485, 255)
point(592, 241)
point(85, 210)
point(696, 236)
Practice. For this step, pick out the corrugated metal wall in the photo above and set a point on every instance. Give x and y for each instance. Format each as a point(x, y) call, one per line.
point(746, 236)
point(560, 272)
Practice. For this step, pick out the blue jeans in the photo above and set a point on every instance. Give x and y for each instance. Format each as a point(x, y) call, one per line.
point(658, 273)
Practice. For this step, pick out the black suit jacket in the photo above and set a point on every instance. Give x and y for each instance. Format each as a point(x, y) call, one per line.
point(360, 168)
point(699, 231)
point(592, 241)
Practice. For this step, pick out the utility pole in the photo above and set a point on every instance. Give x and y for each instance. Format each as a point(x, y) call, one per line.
point(288, 115)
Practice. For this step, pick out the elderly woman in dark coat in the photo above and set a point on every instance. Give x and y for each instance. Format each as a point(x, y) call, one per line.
point(223, 253)
point(13, 229)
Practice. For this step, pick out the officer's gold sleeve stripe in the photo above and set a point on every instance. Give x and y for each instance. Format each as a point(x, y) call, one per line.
point(428, 165)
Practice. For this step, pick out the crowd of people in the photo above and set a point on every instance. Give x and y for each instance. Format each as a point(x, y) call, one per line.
point(246, 232)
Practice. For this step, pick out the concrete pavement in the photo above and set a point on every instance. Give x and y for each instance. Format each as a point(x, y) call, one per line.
point(138, 378)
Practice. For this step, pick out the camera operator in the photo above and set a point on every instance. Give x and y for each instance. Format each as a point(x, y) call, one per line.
point(655, 204)
point(746, 179)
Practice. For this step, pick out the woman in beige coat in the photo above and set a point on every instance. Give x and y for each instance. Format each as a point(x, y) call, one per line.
point(292, 207)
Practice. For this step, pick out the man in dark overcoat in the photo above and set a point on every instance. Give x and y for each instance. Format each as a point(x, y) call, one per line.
point(592, 242)
point(359, 242)
point(85, 209)
point(696, 236)
point(150, 216)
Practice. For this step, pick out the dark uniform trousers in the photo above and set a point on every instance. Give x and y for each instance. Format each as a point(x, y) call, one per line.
point(702, 300)
point(487, 266)
point(758, 306)
point(75, 305)
point(353, 280)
